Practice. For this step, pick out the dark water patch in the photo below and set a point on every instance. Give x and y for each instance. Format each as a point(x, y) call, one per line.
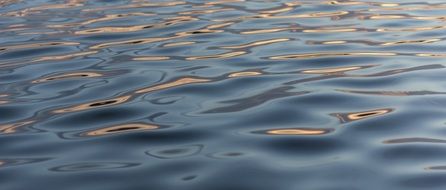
point(410, 153)
point(302, 146)
point(431, 181)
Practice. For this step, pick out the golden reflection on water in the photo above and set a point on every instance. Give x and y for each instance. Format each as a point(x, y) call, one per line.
point(111, 29)
point(218, 2)
point(213, 7)
point(340, 30)
point(275, 11)
point(411, 42)
point(125, 98)
point(383, 17)
point(196, 32)
point(410, 8)
point(151, 40)
point(63, 57)
point(323, 30)
point(298, 131)
point(430, 55)
point(69, 76)
point(309, 15)
point(208, 11)
point(330, 54)
point(36, 45)
point(136, 5)
point(372, 43)
point(7, 2)
point(128, 127)
point(12, 128)
point(214, 31)
point(348, 117)
point(104, 18)
point(331, 70)
point(50, 58)
point(69, 4)
point(96, 104)
point(47, 33)
point(39, 9)
point(388, 4)
point(178, 82)
point(121, 29)
point(391, 17)
point(244, 74)
point(13, 28)
point(130, 42)
point(365, 114)
point(329, 30)
point(159, 39)
point(268, 30)
point(221, 25)
point(335, 42)
point(115, 16)
point(151, 58)
point(344, 3)
point(173, 44)
point(257, 43)
point(412, 29)
point(2, 100)
point(218, 56)
point(350, 2)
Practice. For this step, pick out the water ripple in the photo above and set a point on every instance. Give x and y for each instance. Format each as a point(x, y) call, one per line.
point(223, 94)
point(82, 167)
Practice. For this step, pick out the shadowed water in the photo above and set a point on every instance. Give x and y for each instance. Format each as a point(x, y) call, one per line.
point(222, 95)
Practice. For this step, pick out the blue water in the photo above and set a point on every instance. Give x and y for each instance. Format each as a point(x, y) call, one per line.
point(222, 95)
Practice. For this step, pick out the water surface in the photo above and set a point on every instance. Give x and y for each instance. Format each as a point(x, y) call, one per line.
point(222, 95)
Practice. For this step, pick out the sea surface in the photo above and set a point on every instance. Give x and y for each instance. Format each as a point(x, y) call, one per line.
point(222, 95)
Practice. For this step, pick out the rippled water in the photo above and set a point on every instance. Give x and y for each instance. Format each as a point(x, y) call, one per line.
point(232, 94)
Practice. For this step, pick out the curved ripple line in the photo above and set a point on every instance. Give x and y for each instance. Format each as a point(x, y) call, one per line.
point(177, 152)
point(123, 128)
point(349, 117)
point(93, 166)
point(296, 131)
point(414, 140)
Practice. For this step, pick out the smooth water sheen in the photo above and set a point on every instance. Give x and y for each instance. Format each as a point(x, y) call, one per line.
point(222, 95)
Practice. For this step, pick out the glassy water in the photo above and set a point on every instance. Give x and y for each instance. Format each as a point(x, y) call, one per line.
point(222, 95)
